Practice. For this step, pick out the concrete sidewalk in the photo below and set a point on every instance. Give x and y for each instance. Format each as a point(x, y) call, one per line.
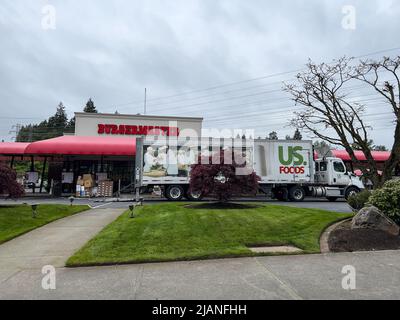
point(283, 277)
point(53, 243)
point(316, 276)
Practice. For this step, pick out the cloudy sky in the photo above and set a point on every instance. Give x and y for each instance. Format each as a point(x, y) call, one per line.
point(224, 60)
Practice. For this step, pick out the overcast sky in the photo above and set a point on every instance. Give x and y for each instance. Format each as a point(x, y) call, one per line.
point(111, 50)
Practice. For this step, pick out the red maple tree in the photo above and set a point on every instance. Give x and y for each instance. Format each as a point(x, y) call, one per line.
point(8, 182)
point(221, 180)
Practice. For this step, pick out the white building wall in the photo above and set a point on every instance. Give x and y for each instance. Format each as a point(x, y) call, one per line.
point(87, 124)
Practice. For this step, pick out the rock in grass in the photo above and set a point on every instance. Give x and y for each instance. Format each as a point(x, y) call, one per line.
point(373, 218)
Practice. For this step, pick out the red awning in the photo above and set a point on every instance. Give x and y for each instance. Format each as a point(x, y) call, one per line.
point(13, 148)
point(378, 155)
point(77, 145)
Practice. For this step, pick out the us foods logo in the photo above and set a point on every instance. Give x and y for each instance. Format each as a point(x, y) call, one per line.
point(292, 161)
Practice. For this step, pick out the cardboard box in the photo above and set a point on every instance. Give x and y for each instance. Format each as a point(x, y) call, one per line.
point(88, 184)
point(88, 181)
point(105, 189)
point(88, 177)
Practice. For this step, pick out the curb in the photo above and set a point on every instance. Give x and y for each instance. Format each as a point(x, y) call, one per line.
point(323, 240)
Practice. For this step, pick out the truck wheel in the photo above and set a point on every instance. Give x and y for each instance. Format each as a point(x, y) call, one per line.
point(332, 199)
point(193, 196)
point(350, 191)
point(174, 193)
point(297, 194)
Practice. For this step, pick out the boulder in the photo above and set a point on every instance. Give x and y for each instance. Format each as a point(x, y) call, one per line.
point(373, 218)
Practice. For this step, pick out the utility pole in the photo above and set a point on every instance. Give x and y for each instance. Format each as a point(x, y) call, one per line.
point(15, 129)
point(145, 100)
point(30, 133)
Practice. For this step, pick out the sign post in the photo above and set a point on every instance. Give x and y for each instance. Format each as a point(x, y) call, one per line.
point(138, 168)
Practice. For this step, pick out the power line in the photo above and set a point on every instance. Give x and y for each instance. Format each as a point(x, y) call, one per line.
point(243, 81)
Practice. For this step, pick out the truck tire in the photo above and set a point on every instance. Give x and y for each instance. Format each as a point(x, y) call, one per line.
point(193, 196)
point(332, 199)
point(174, 193)
point(350, 191)
point(297, 193)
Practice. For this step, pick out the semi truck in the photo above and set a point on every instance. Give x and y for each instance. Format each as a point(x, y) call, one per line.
point(287, 168)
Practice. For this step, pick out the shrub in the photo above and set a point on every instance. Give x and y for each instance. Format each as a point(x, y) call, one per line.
point(359, 200)
point(221, 180)
point(8, 182)
point(387, 199)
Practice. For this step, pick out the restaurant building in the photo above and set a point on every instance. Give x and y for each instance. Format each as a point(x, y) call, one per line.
point(103, 148)
point(101, 154)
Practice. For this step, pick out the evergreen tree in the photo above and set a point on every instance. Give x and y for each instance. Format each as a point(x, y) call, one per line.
point(90, 107)
point(70, 128)
point(272, 136)
point(356, 146)
point(297, 135)
point(379, 148)
point(47, 129)
point(60, 119)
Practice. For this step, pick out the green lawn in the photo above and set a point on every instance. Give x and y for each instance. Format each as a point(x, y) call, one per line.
point(168, 232)
point(17, 220)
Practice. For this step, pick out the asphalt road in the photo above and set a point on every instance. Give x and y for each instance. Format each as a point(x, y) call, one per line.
point(339, 205)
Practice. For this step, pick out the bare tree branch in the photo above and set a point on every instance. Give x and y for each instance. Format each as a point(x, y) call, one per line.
point(331, 116)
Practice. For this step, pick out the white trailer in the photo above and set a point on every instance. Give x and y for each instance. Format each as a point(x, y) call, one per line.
point(287, 168)
point(288, 171)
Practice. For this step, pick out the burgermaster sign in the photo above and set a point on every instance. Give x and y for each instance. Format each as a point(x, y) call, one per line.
point(123, 129)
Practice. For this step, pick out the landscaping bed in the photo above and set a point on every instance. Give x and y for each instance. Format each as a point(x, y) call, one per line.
point(178, 231)
point(17, 220)
point(344, 239)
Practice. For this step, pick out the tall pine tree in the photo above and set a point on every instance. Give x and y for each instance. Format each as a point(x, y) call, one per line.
point(297, 135)
point(90, 107)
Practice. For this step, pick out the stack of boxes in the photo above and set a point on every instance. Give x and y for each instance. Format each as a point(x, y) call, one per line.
point(85, 186)
point(105, 188)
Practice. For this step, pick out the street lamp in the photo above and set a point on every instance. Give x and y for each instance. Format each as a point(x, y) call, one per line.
point(71, 200)
point(131, 207)
point(34, 213)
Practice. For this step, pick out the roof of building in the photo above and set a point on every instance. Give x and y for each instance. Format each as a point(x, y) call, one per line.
point(119, 146)
point(77, 145)
point(378, 155)
point(13, 148)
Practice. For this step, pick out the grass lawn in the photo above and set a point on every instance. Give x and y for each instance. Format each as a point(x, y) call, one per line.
point(172, 231)
point(17, 220)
